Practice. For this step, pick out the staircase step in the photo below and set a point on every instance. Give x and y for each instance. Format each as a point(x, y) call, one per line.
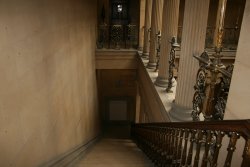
point(110, 152)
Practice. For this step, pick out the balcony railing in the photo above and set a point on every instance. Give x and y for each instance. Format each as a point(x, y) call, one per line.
point(230, 37)
point(211, 88)
point(182, 144)
point(117, 36)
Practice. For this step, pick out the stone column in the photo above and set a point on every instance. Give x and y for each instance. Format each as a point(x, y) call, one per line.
point(148, 12)
point(193, 43)
point(239, 94)
point(169, 29)
point(142, 24)
point(156, 21)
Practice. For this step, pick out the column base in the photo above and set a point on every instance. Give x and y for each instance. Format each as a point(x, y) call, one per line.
point(161, 82)
point(145, 55)
point(151, 65)
point(180, 114)
point(140, 48)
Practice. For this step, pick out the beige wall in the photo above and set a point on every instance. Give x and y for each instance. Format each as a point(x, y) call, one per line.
point(239, 94)
point(48, 101)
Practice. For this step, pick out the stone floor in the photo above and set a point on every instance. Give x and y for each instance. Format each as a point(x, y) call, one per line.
point(110, 152)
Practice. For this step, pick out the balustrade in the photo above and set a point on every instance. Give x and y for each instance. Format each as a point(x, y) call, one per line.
point(230, 38)
point(158, 50)
point(146, 44)
point(194, 143)
point(117, 36)
point(174, 46)
point(212, 87)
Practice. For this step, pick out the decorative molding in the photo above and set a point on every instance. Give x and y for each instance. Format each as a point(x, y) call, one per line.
point(161, 82)
point(151, 65)
point(71, 157)
point(110, 59)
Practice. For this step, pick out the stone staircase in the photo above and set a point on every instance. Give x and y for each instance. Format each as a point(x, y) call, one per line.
point(110, 152)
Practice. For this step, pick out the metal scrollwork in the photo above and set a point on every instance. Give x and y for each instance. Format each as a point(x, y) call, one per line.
point(197, 106)
point(149, 32)
point(174, 46)
point(221, 102)
point(158, 50)
point(220, 108)
point(116, 35)
point(211, 88)
point(201, 80)
point(199, 93)
point(131, 35)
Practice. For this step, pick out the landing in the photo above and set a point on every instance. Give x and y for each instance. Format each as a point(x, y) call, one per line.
point(115, 153)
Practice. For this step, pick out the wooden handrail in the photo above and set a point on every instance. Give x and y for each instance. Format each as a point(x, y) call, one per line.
point(240, 126)
point(181, 143)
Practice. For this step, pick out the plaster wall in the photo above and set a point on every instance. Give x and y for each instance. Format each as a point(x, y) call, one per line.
point(239, 93)
point(48, 95)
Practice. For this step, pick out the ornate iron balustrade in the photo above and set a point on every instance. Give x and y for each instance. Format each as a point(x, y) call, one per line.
point(174, 46)
point(117, 36)
point(131, 35)
point(230, 38)
point(182, 144)
point(212, 87)
point(158, 50)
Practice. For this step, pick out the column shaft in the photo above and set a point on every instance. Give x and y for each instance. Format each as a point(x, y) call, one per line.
point(239, 94)
point(169, 29)
point(193, 42)
point(156, 23)
point(148, 13)
point(142, 24)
